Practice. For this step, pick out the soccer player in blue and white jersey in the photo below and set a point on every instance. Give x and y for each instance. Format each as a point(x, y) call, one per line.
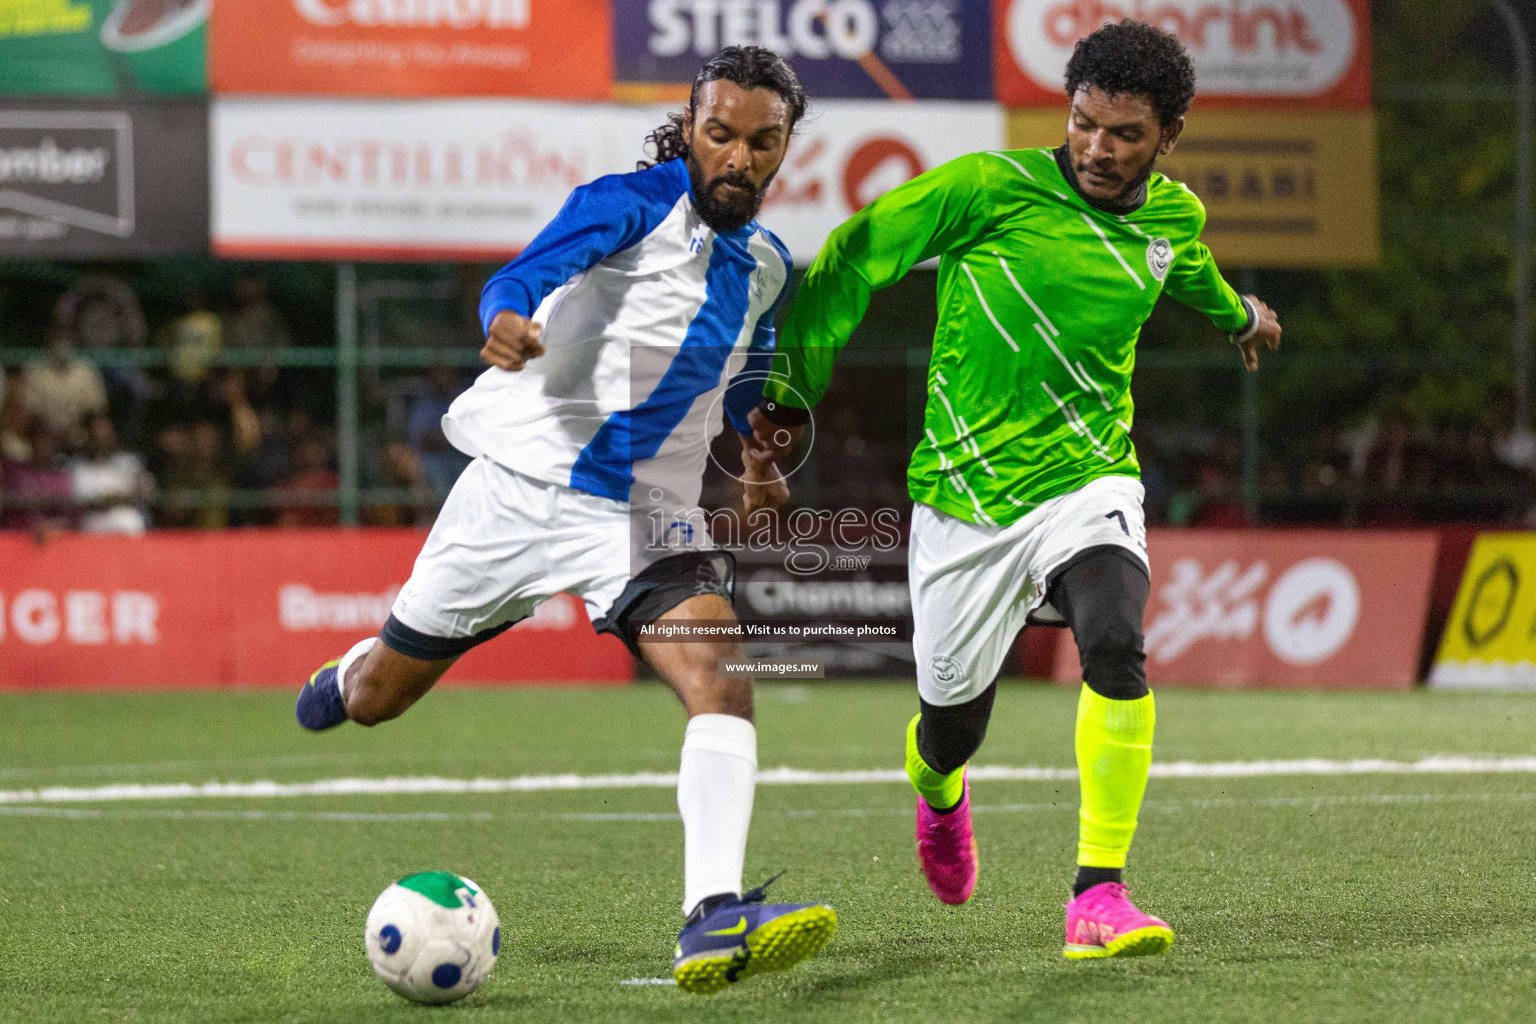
point(616, 339)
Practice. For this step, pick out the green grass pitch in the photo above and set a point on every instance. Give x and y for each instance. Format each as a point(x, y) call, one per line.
point(1391, 898)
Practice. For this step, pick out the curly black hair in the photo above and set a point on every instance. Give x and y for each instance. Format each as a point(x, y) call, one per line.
point(1130, 57)
point(751, 67)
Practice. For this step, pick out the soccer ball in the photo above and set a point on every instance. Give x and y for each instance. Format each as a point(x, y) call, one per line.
point(433, 937)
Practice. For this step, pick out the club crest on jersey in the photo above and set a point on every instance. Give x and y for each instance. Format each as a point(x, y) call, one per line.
point(1159, 257)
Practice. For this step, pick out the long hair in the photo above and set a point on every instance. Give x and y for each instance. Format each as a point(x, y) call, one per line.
point(751, 67)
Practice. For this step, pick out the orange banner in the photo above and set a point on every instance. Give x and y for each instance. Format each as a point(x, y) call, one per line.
point(1328, 608)
point(244, 608)
point(544, 48)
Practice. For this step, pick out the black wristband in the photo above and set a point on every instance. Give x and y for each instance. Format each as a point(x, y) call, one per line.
point(781, 415)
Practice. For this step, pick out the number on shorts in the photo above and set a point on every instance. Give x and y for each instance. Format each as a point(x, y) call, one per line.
point(1117, 514)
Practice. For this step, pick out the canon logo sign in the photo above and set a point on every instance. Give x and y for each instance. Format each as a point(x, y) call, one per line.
point(1287, 48)
point(460, 14)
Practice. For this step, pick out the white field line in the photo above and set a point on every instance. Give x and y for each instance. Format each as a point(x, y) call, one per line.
point(1310, 803)
point(83, 813)
point(1444, 764)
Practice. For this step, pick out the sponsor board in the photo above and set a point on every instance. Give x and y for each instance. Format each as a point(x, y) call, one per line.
point(103, 47)
point(87, 180)
point(1490, 640)
point(1302, 53)
point(1281, 189)
point(479, 178)
point(557, 49)
point(258, 608)
point(1329, 609)
point(854, 612)
point(854, 152)
point(855, 49)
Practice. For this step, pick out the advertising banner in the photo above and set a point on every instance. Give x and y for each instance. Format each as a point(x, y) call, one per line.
point(103, 180)
point(1281, 189)
point(446, 179)
point(557, 49)
point(855, 49)
point(477, 179)
point(855, 152)
point(103, 47)
point(1490, 640)
point(258, 608)
point(1300, 53)
point(867, 588)
point(1326, 608)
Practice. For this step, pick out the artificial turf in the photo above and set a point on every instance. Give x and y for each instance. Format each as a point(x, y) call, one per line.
point(1354, 898)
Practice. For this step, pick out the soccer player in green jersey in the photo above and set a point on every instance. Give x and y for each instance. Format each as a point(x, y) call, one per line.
point(1028, 503)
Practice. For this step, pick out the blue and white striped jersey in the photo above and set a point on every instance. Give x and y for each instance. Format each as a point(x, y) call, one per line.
point(655, 327)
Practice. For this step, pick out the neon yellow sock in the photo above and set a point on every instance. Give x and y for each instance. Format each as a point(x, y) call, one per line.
point(941, 791)
point(1114, 754)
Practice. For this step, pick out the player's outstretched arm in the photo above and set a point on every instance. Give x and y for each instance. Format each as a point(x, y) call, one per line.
point(1195, 281)
point(940, 211)
point(1265, 332)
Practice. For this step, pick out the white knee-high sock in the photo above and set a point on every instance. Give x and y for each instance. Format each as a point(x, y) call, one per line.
point(349, 659)
point(715, 785)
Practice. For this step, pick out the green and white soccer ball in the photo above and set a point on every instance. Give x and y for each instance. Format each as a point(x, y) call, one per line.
point(433, 937)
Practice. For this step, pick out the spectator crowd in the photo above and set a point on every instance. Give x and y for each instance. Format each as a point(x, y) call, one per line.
point(95, 439)
point(104, 445)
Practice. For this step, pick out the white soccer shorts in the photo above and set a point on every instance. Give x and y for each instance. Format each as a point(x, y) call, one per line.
point(504, 542)
point(974, 587)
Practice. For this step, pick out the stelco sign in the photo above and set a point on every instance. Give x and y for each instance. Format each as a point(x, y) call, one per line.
point(1245, 51)
point(853, 49)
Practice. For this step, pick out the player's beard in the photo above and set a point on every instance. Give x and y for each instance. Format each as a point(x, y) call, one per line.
point(1131, 191)
point(725, 211)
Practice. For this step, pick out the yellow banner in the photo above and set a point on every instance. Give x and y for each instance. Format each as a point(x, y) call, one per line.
point(1490, 640)
point(1281, 189)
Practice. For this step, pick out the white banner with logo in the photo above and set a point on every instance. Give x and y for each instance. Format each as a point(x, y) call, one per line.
point(477, 179)
point(1315, 52)
point(849, 154)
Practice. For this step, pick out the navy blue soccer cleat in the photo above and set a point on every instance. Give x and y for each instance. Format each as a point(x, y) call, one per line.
point(741, 938)
point(320, 705)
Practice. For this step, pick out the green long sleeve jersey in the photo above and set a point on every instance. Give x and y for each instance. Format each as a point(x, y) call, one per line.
point(1041, 302)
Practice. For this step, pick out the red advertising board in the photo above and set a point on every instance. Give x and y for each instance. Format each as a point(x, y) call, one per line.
point(257, 608)
point(1308, 54)
point(1325, 608)
point(555, 49)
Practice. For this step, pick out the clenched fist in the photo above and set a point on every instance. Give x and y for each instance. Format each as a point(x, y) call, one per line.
point(513, 340)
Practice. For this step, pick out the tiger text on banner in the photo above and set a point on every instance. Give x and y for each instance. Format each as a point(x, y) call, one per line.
point(244, 608)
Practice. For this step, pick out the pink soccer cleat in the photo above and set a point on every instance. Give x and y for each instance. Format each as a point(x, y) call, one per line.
point(946, 848)
point(1104, 922)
